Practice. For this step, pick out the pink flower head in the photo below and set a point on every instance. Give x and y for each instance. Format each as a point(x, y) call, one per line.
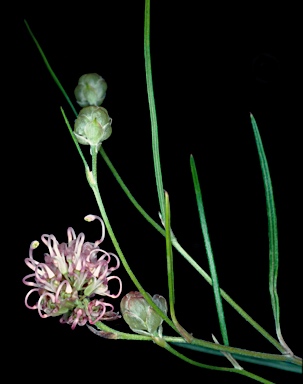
point(71, 279)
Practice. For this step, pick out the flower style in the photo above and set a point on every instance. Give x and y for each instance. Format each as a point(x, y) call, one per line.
point(71, 278)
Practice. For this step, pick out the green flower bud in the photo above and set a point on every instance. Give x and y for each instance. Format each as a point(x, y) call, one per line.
point(91, 90)
point(92, 126)
point(140, 316)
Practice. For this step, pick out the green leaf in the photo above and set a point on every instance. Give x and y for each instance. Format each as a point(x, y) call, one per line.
point(55, 78)
point(272, 234)
point(152, 109)
point(209, 252)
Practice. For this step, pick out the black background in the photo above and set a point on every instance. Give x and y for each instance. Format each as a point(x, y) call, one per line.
point(212, 66)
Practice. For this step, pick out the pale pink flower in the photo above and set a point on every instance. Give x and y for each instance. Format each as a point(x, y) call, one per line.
point(72, 278)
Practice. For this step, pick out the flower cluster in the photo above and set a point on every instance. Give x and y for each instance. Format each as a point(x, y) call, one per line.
point(72, 278)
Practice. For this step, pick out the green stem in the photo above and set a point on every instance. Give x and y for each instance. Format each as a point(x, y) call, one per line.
point(162, 343)
point(74, 139)
point(94, 165)
point(240, 354)
point(128, 193)
point(169, 257)
point(109, 333)
point(94, 185)
point(170, 272)
point(239, 351)
point(92, 180)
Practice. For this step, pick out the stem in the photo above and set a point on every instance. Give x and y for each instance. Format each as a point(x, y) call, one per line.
point(169, 257)
point(92, 180)
point(162, 343)
point(170, 272)
point(94, 165)
point(128, 193)
point(248, 356)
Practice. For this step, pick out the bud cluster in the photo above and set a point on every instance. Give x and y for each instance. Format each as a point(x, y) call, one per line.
point(93, 124)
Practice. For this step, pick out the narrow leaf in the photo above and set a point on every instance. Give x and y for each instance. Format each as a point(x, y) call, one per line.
point(152, 109)
point(55, 78)
point(209, 252)
point(272, 234)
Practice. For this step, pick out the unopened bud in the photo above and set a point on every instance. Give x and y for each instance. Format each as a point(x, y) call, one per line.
point(91, 90)
point(140, 316)
point(92, 126)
